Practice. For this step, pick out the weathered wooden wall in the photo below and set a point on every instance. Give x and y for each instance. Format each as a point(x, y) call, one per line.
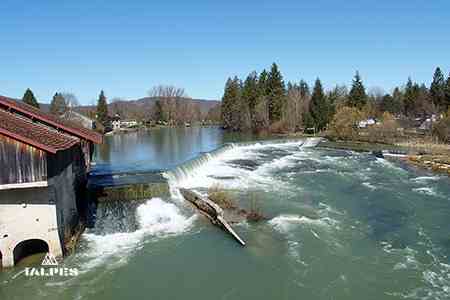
point(20, 162)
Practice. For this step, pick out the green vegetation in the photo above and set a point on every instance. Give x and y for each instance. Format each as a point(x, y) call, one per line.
point(357, 96)
point(58, 105)
point(319, 107)
point(102, 109)
point(29, 98)
point(264, 104)
point(134, 192)
point(275, 92)
point(171, 107)
point(441, 130)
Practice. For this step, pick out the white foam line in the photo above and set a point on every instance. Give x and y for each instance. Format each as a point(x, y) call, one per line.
point(157, 218)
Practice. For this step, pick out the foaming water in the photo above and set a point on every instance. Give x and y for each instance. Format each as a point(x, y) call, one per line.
point(315, 188)
point(155, 218)
point(341, 225)
point(426, 191)
point(215, 167)
point(285, 223)
point(119, 232)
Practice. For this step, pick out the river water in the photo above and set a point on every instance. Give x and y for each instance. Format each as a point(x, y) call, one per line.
point(341, 225)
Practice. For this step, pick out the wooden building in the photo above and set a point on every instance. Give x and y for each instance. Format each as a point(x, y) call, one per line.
point(43, 173)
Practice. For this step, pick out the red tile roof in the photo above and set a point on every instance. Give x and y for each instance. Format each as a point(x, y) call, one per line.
point(51, 120)
point(34, 134)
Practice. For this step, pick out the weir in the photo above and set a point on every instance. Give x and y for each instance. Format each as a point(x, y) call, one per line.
point(127, 186)
point(145, 185)
point(184, 170)
point(159, 184)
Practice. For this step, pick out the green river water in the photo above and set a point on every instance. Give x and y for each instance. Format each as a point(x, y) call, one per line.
point(341, 225)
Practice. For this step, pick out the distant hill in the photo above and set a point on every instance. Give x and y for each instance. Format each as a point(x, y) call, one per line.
point(140, 107)
point(148, 102)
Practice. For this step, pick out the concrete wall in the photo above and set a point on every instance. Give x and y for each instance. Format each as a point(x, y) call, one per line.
point(20, 222)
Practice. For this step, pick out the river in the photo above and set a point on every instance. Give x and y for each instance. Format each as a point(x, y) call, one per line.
point(341, 225)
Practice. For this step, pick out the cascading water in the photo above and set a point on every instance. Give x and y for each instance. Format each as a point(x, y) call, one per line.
point(187, 171)
point(184, 170)
point(121, 227)
point(380, 230)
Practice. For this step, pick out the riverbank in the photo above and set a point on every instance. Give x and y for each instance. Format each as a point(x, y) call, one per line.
point(433, 157)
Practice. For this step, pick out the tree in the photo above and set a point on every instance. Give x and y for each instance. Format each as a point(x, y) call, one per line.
point(70, 100)
point(262, 83)
point(291, 107)
point(159, 112)
point(251, 96)
point(441, 129)
point(102, 109)
point(345, 123)
point(424, 105)
point(261, 118)
point(388, 104)
point(357, 96)
point(275, 93)
point(386, 132)
point(29, 98)
point(437, 89)
point(58, 105)
point(447, 92)
point(318, 107)
point(171, 103)
point(214, 114)
point(230, 104)
point(335, 98)
point(227, 104)
point(397, 96)
point(410, 98)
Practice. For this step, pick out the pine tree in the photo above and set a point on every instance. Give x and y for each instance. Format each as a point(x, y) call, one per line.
point(231, 104)
point(226, 105)
point(275, 93)
point(447, 93)
point(318, 107)
point(102, 109)
point(333, 99)
point(304, 89)
point(397, 96)
point(29, 98)
point(58, 106)
point(437, 89)
point(410, 98)
point(357, 96)
point(250, 96)
point(387, 104)
point(262, 83)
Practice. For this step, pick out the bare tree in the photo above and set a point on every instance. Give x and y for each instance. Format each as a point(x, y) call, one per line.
point(376, 92)
point(117, 106)
point(167, 92)
point(71, 100)
point(296, 105)
point(172, 106)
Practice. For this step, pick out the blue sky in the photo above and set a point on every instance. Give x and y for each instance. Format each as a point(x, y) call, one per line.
point(126, 47)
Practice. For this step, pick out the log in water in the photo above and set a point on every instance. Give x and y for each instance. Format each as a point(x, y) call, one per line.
point(211, 210)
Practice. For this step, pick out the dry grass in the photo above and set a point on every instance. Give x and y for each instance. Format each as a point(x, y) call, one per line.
point(255, 212)
point(426, 146)
point(221, 197)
